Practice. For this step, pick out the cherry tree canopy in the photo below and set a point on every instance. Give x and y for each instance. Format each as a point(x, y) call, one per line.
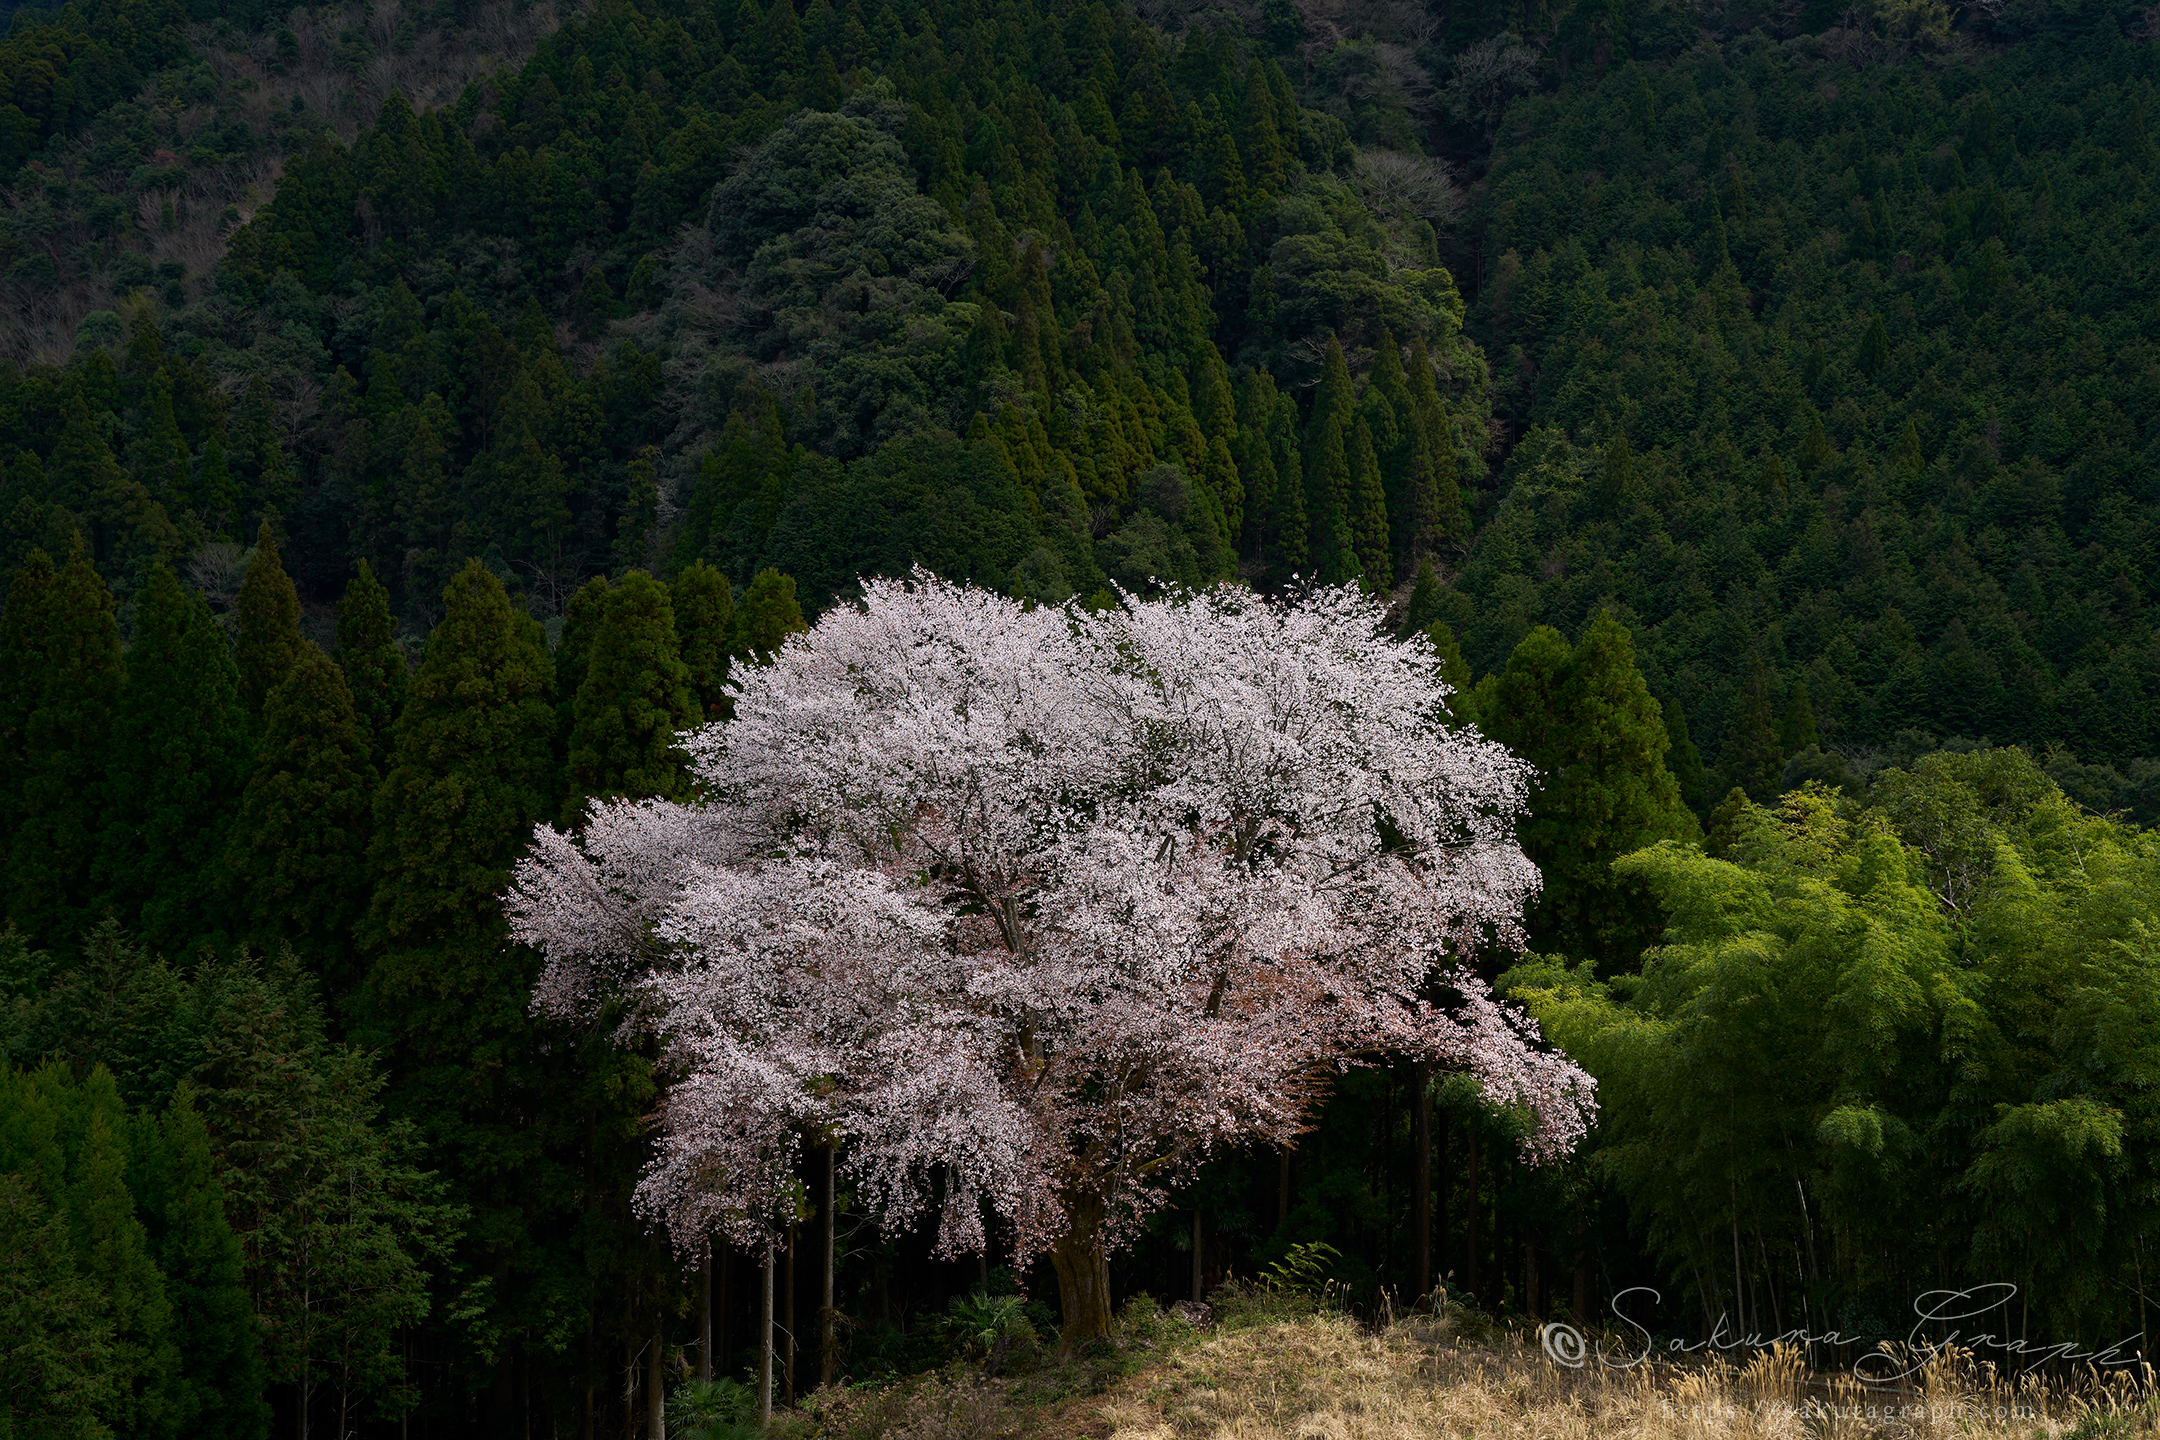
point(1038, 906)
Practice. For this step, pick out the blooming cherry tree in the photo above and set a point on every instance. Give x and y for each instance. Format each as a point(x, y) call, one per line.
point(1034, 909)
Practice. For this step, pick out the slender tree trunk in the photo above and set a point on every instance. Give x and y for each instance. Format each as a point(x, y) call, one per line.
point(787, 1321)
point(1199, 1270)
point(629, 1380)
point(1582, 1273)
point(704, 1337)
point(1282, 1190)
point(1532, 1300)
point(1442, 1195)
point(656, 1383)
point(765, 1339)
point(588, 1429)
point(828, 1355)
point(1083, 1273)
point(720, 1315)
point(1470, 1218)
point(1421, 1208)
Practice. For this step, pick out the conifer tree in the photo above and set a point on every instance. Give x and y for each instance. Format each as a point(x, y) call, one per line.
point(266, 638)
point(581, 623)
point(634, 699)
point(1684, 760)
point(767, 615)
point(372, 661)
point(1454, 669)
point(183, 1205)
point(463, 792)
point(635, 532)
point(298, 856)
point(1799, 730)
point(1754, 757)
point(76, 1135)
point(174, 769)
point(704, 605)
point(1437, 513)
point(1586, 719)
point(444, 998)
point(1327, 469)
point(1369, 500)
point(60, 672)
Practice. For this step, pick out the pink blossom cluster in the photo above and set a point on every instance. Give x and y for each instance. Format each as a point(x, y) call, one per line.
point(1032, 909)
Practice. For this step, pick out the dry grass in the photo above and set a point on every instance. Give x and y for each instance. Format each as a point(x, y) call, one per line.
point(1325, 1377)
point(1321, 1375)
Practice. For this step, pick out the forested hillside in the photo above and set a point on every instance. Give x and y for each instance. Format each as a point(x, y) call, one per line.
point(412, 419)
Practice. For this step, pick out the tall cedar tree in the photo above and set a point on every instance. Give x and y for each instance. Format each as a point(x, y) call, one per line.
point(634, 697)
point(1327, 469)
point(1369, 508)
point(1587, 721)
point(767, 615)
point(581, 625)
point(60, 673)
point(298, 856)
point(371, 659)
point(1685, 761)
point(72, 1136)
point(182, 1196)
point(1754, 749)
point(266, 639)
point(445, 997)
point(174, 770)
point(704, 605)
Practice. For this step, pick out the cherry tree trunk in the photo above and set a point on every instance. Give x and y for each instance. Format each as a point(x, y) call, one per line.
point(1083, 1273)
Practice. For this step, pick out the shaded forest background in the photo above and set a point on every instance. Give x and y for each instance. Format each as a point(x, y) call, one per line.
point(412, 413)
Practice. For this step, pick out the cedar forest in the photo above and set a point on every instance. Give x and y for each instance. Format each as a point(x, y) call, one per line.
point(415, 420)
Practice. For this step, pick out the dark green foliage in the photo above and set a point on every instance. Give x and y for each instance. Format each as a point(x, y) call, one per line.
point(182, 1195)
point(174, 769)
point(766, 616)
point(298, 855)
point(634, 697)
point(704, 606)
point(372, 661)
point(1585, 718)
point(60, 673)
point(446, 998)
point(266, 625)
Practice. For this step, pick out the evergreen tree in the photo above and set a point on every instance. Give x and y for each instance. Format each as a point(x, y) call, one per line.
point(446, 999)
point(1433, 503)
point(174, 769)
point(581, 623)
point(704, 606)
point(1327, 469)
point(634, 698)
point(372, 661)
point(767, 615)
point(1799, 729)
point(1585, 718)
point(60, 673)
point(56, 1357)
point(1754, 757)
point(298, 857)
point(1370, 512)
point(1685, 760)
point(266, 639)
point(636, 531)
point(73, 1135)
point(183, 1207)
point(1454, 669)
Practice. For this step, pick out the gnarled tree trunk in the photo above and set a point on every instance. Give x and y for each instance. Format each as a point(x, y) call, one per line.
point(1083, 1272)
